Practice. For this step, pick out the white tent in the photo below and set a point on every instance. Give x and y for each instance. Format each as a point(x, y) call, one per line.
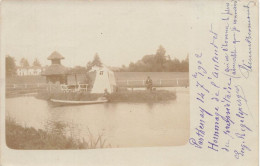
point(105, 79)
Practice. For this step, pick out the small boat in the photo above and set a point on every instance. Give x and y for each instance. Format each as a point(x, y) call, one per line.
point(74, 102)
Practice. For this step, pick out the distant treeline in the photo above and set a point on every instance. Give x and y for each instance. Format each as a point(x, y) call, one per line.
point(10, 65)
point(157, 62)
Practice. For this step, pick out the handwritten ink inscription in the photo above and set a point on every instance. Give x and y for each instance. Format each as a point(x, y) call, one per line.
point(222, 102)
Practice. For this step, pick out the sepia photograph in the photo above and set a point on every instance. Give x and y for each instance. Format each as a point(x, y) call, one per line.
point(129, 82)
point(92, 75)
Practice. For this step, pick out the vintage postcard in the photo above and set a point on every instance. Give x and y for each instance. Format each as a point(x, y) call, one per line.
point(159, 82)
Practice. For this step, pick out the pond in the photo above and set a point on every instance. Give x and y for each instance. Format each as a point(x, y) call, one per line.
point(120, 124)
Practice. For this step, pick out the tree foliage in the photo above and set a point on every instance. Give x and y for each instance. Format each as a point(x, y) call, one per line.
point(77, 70)
point(24, 63)
point(89, 65)
point(36, 63)
point(10, 66)
point(185, 64)
point(96, 61)
point(158, 62)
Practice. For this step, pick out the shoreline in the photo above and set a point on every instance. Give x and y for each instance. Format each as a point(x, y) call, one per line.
point(29, 138)
point(176, 90)
point(138, 96)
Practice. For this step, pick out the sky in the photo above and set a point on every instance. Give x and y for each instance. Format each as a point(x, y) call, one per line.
point(120, 32)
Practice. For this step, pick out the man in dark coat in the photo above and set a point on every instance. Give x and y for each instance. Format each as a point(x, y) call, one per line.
point(149, 83)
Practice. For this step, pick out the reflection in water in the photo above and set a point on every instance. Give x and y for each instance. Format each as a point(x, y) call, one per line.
point(121, 124)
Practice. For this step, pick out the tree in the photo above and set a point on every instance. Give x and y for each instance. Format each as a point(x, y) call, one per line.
point(160, 58)
point(158, 62)
point(176, 65)
point(77, 70)
point(89, 65)
point(10, 67)
point(161, 51)
point(36, 63)
point(24, 62)
point(185, 64)
point(148, 59)
point(123, 69)
point(131, 67)
point(96, 61)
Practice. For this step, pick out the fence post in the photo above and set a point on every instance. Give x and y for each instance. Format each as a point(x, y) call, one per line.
point(177, 82)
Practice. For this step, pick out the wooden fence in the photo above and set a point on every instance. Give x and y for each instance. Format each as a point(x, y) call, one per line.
point(183, 82)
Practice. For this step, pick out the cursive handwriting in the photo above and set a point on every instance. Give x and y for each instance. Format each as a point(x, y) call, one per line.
point(246, 66)
point(223, 124)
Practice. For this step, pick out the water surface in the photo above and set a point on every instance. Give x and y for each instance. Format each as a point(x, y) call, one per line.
point(120, 124)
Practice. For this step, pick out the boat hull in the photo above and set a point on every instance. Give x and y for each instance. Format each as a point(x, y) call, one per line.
point(71, 102)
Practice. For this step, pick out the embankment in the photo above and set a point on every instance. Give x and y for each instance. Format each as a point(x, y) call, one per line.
point(19, 137)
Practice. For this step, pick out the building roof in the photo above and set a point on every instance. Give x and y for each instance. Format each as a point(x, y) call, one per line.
point(55, 55)
point(55, 69)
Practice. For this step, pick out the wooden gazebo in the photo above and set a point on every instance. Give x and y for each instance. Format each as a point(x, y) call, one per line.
point(56, 72)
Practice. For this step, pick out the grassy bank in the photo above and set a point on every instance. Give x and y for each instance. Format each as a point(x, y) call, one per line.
point(19, 137)
point(124, 96)
point(142, 96)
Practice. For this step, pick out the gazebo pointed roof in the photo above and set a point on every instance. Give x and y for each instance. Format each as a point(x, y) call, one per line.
point(55, 55)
